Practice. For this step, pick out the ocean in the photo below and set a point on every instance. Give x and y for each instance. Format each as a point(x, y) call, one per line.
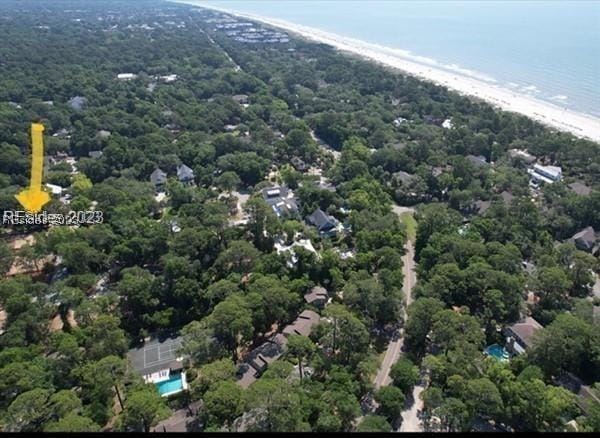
point(546, 49)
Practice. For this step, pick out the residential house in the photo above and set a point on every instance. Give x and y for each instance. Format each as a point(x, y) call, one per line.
point(522, 155)
point(185, 174)
point(77, 103)
point(481, 207)
point(95, 154)
point(477, 160)
point(519, 336)
point(126, 76)
point(507, 197)
point(303, 325)
point(54, 190)
point(326, 225)
point(299, 164)
point(580, 189)
point(546, 174)
point(158, 362)
point(447, 124)
point(182, 420)
point(403, 177)
point(242, 99)
point(259, 359)
point(317, 296)
point(432, 120)
point(281, 200)
point(158, 178)
point(585, 240)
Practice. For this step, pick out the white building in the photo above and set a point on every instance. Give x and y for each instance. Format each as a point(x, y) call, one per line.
point(126, 76)
point(546, 174)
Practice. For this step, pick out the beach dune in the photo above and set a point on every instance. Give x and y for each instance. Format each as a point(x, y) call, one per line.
point(551, 115)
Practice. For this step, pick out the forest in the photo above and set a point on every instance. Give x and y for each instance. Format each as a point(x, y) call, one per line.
point(75, 300)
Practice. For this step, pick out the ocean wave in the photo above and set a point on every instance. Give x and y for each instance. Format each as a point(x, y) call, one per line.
point(560, 97)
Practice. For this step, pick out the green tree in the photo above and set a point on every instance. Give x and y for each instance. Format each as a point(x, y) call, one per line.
point(301, 348)
point(391, 402)
point(374, 423)
point(144, 407)
point(72, 423)
point(404, 374)
point(223, 403)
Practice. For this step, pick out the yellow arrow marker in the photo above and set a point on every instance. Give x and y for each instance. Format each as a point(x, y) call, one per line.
point(34, 198)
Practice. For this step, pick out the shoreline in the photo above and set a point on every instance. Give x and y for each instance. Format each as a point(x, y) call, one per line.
point(562, 119)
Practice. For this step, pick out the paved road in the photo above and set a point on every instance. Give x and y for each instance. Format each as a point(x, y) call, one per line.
point(410, 417)
point(395, 347)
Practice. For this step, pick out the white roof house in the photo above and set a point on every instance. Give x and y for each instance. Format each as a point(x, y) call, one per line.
point(447, 124)
point(126, 76)
point(54, 189)
point(547, 174)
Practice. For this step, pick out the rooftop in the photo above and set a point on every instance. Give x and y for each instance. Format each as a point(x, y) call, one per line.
point(525, 330)
point(303, 325)
point(155, 355)
point(580, 188)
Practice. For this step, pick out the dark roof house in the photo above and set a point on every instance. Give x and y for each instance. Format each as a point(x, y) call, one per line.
point(317, 296)
point(585, 239)
point(185, 174)
point(158, 178)
point(580, 189)
point(303, 325)
point(77, 103)
point(299, 164)
point(325, 224)
point(477, 160)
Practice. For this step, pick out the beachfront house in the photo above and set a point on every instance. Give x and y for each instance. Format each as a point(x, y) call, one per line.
point(519, 336)
point(159, 362)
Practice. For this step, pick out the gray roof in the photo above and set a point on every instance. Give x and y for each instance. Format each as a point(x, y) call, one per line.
point(156, 355)
point(477, 160)
point(585, 239)
point(482, 206)
point(266, 353)
point(322, 220)
point(281, 200)
point(507, 196)
point(317, 293)
point(303, 325)
point(184, 173)
point(524, 330)
point(158, 177)
point(182, 420)
point(405, 177)
point(95, 154)
point(580, 188)
point(240, 98)
point(77, 103)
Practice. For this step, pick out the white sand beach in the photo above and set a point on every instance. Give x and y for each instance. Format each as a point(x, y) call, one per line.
point(580, 125)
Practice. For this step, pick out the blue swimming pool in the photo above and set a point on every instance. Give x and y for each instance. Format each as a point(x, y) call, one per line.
point(497, 352)
point(173, 385)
